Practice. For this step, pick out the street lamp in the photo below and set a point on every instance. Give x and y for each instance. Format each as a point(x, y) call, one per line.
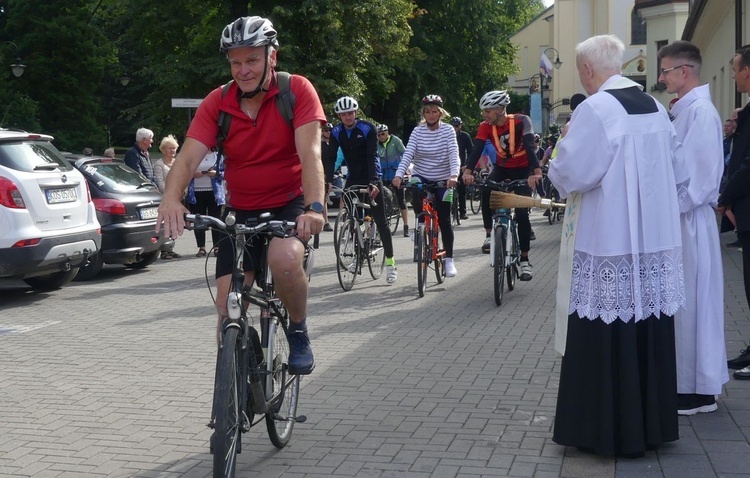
point(557, 61)
point(17, 67)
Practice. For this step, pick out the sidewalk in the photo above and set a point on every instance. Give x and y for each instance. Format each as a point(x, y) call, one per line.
point(114, 377)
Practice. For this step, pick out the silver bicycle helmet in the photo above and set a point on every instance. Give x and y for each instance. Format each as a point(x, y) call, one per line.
point(494, 99)
point(381, 128)
point(248, 31)
point(456, 121)
point(345, 104)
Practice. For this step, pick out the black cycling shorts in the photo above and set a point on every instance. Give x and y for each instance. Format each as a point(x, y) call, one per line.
point(253, 249)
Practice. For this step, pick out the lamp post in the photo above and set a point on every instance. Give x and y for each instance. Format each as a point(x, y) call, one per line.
point(557, 61)
point(17, 67)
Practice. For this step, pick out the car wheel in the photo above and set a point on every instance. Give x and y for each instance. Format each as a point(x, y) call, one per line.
point(51, 281)
point(146, 260)
point(91, 269)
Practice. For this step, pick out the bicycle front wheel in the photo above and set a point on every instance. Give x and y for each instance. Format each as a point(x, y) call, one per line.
point(439, 262)
point(455, 214)
point(515, 256)
point(348, 260)
point(375, 255)
point(424, 256)
point(499, 264)
point(474, 199)
point(282, 389)
point(341, 218)
point(226, 436)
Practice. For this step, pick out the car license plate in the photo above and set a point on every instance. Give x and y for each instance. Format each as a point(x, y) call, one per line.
point(55, 196)
point(149, 212)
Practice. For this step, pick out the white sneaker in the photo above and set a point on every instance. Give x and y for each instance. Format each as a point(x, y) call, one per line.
point(527, 272)
point(450, 268)
point(391, 274)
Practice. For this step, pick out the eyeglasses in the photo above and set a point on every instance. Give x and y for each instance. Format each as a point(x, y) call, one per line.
point(664, 72)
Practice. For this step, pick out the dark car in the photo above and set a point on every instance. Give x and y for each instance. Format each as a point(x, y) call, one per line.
point(126, 206)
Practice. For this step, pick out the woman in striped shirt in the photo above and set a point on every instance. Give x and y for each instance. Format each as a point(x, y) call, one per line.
point(433, 149)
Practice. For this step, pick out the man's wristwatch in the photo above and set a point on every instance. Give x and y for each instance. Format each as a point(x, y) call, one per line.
point(314, 207)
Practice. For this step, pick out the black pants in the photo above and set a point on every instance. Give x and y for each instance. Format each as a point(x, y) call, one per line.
point(522, 214)
point(205, 203)
point(444, 216)
point(378, 214)
point(744, 238)
point(461, 190)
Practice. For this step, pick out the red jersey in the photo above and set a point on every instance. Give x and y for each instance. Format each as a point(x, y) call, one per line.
point(262, 169)
point(510, 154)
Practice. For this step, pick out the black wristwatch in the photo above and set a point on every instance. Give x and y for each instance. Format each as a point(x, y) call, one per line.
point(314, 207)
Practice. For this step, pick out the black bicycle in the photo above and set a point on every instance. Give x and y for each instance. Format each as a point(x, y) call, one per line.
point(252, 371)
point(392, 210)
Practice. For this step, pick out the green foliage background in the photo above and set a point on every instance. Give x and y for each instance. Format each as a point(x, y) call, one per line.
point(386, 53)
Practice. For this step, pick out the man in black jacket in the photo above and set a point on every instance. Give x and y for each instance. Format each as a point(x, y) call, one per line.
point(735, 196)
point(464, 149)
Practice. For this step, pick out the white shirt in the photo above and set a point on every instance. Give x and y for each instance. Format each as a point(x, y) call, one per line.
point(434, 153)
point(627, 256)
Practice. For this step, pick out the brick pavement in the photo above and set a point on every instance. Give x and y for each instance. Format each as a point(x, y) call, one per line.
point(113, 378)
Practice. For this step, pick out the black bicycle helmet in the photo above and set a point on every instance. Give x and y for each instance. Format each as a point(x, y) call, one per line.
point(248, 31)
point(328, 127)
point(456, 121)
point(432, 100)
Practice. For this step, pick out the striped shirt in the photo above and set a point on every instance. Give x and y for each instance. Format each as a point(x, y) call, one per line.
point(434, 153)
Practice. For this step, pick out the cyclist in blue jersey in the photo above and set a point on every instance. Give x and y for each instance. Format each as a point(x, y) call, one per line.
point(357, 139)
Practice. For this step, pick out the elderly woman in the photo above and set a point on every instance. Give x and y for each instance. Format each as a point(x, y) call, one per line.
point(205, 195)
point(433, 149)
point(168, 148)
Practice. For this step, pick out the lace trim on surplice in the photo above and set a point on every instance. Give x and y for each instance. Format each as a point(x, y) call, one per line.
point(627, 286)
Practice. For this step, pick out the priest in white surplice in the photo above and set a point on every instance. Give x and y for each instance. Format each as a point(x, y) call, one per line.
point(699, 327)
point(621, 262)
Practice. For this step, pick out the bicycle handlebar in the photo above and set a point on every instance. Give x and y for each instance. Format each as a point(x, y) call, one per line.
point(502, 186)
point(273, 227)
point(425, 184)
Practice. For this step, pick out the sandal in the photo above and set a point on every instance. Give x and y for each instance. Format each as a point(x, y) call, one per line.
point(201, 252)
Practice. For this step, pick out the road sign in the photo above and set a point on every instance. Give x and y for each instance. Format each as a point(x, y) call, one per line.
point(186, 102)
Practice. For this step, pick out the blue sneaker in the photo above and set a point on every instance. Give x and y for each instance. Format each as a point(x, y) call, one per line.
point(301, 359)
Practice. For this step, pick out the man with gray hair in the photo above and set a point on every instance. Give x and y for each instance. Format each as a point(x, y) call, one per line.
point(137, 157)
point(620, 279)
point(699, 339)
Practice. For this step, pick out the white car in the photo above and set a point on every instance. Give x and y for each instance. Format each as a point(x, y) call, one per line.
point(48, 225)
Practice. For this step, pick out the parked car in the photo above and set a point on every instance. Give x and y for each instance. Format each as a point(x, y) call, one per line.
point(126, 205)
point(48, 225)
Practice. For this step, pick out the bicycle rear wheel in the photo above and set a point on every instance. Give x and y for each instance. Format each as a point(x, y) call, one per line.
point(392, 212)
point(424, 256)
point(455, 214)
point(348, 260)
point(375, 255)
point(499, 264)
point(226, 436)
point(282, 389)
point(439, 262)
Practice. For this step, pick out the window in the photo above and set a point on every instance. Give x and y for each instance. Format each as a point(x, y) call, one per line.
point(637, 28)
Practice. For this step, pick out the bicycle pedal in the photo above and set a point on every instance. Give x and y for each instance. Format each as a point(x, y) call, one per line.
point(300, 419)
point(211, 425)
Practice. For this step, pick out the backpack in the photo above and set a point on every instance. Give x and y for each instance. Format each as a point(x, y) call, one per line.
point(285, 101)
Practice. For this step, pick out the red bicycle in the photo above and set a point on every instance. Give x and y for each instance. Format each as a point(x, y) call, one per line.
point(427, 247)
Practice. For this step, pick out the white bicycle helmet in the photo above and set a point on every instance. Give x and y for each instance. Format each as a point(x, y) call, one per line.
point(345, 104)
point(381, 128)
point(432, 100)
point(494, 99)
point(248, 31)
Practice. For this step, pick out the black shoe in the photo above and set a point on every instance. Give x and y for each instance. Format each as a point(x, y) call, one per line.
point(532, 237)
point(742, 360)
point(692, 403)
point(327, 227)
point(406, 230)
point(733, 244)
point(464, 216)
point(546, 213)
point(742, 374)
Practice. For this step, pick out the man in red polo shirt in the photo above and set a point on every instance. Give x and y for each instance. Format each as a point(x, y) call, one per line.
point(268, 166)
